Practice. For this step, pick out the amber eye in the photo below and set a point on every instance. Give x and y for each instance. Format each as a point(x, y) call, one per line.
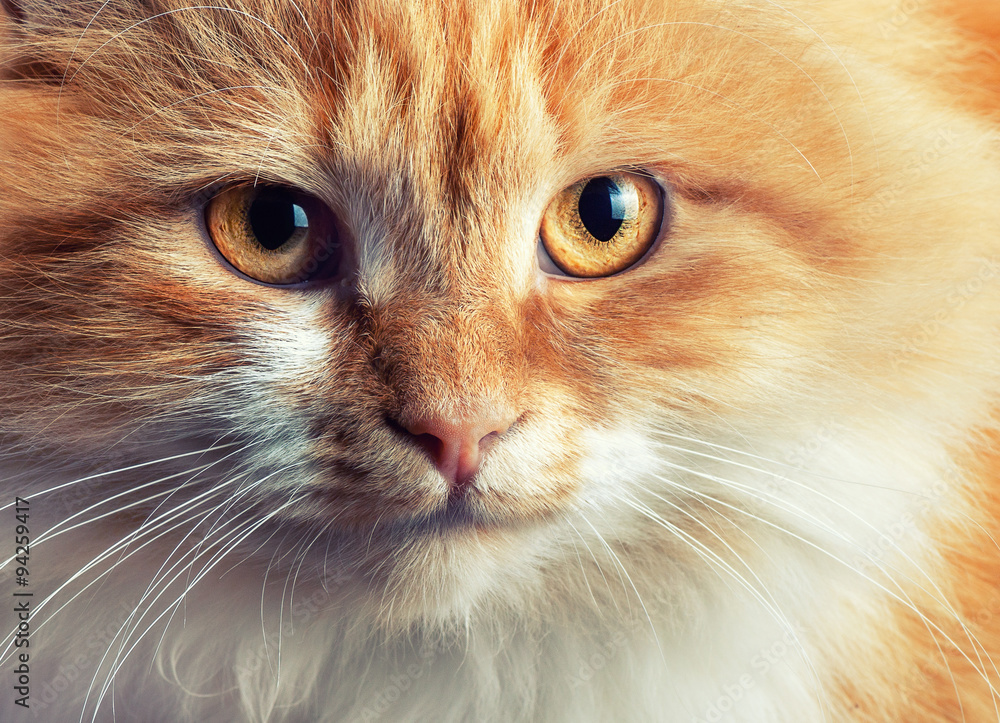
point(602, 225)
point(274, 234)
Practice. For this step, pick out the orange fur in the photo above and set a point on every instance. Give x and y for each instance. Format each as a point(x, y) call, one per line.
point(779, 424)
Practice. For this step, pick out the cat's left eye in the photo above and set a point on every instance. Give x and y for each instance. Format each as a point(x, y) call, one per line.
point(602, 225)
point(274, 234)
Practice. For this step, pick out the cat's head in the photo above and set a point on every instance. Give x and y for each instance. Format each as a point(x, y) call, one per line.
point(449, 287)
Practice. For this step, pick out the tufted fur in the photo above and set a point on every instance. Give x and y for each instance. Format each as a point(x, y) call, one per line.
point(754, 478)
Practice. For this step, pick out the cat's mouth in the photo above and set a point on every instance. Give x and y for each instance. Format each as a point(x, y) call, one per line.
point(457, 514)
point(469, 513)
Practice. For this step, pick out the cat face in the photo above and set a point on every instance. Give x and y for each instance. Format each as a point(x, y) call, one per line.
point(505, 335)
point(423, 371)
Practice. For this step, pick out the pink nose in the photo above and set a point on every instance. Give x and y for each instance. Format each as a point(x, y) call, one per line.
point(457, 446)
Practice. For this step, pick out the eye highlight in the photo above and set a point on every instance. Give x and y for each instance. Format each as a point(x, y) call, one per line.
point(602, 225)
point(274, 234)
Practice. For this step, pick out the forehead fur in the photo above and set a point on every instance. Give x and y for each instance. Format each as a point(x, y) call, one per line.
point(455, 103)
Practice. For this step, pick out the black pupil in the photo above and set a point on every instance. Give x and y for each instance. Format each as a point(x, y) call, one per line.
point(602, 208)
point(275, 217)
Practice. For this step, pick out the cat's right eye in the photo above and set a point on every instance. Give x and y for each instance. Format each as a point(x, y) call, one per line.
point(603, 225)
point(274, 234)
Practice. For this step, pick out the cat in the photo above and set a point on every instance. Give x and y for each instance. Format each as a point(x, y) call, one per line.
point(482, 360)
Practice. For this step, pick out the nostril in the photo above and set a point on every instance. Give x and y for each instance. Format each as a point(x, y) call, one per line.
point(490, 439)
point(433, 445)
